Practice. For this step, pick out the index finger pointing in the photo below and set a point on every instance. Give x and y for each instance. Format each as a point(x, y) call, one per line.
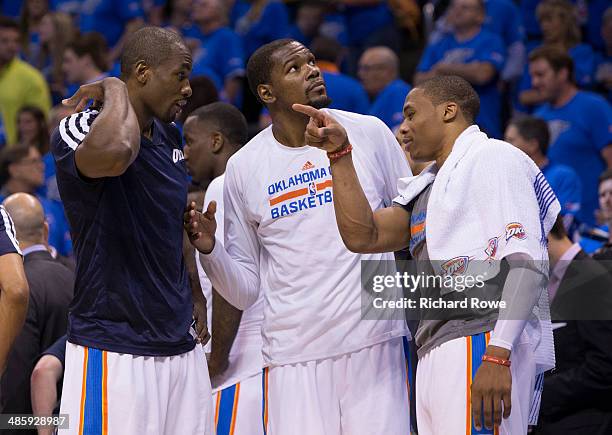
point(309, 111)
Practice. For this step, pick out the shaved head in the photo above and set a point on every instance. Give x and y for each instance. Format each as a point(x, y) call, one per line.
point(381, 55)
point(151, 45)
point(378, 67)
point(28, 216)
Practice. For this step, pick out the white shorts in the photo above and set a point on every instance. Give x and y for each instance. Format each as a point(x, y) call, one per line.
point(238, 408)
point(116, 394)
point(443, 381)
point(360, 393)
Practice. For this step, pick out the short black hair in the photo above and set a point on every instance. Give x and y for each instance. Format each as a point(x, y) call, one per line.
point(8, 23)
point(150, 44)
point(225, 118)
point(453, 88)
point(10, 155)
point(531, 127)
point(605, 176)
point(558, 230)
point(260, 64)
point(94, 45)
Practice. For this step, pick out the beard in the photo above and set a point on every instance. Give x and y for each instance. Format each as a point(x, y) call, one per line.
point(320, 102)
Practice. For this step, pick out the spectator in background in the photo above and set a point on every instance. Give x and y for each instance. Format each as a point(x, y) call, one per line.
point(604, 216)
point(259, 22)
point(20, 84)
point(22, 170)
point(503, 18)
point(32, 130)
point(379, 74)
point(46, 382)
point(85, 61)
point(56, 32)
point(220, 55)
point(603, 63)
point(115, 19)
point(472, 53)
point(308, 20)
point(576, 395)
point(345, 92)
point(177, 14)
point(51, 288)
point(530, 135)
point(579, 123)
point(369, 24)
point(32, 13)
point(560, 29)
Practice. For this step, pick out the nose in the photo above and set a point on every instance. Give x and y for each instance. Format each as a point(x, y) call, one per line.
point(313, 72)
point(403, 129)
point(186, 91)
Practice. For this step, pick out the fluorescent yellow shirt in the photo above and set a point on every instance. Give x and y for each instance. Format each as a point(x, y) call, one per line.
point(20, 85)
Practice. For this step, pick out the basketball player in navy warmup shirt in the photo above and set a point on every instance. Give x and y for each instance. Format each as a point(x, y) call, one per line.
point(122, 178)
point(13, 287)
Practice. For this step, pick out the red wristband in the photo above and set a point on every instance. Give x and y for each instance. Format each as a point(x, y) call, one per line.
point(343, 152)
point(495, 360)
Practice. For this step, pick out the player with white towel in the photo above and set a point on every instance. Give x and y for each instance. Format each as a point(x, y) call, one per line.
point(481, 201)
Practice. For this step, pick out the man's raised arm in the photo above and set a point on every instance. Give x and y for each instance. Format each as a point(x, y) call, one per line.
point(106, 147)
point(362, 230)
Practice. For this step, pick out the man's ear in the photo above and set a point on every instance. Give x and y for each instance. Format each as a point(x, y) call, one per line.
point(217, 142)
point(266, 94)
point(451, 110)
point(142, 72)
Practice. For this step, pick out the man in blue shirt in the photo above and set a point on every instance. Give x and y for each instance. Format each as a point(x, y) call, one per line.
point(473, 54)
point(378, 72)
point(345, 92)
point(579, 123)
point(530, 135)
point(259, 22)
point(13, 287)
point(22, 170)
point(121, 174)
point(220, 55)
point(112, 18)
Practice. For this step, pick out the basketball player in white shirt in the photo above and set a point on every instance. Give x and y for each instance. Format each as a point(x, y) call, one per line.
point(329, 371)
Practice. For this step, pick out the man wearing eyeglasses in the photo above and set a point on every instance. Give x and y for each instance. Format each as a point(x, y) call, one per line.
point(22, 170)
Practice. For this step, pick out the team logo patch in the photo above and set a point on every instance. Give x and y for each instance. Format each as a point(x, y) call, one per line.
point(307, 166)
point(516, 230)
point(177, 155)
point(312, 189)
point(491, 248)
point(456, 266)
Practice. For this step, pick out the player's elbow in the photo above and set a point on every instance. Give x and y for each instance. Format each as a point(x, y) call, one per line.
point(122, 157)
point(358, 245)
point(17, 293)
point(48, 368)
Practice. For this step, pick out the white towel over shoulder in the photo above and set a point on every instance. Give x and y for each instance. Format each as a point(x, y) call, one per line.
point(489, 200)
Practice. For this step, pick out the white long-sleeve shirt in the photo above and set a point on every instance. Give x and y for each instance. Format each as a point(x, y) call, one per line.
point(281, 238)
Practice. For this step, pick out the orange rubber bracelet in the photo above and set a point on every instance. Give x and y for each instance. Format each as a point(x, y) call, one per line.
point(495, 360)
point(343, 152)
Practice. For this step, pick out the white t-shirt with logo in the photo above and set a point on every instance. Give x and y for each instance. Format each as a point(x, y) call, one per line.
point(282, 240)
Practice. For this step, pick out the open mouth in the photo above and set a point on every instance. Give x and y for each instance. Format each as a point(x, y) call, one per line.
point(180, 105)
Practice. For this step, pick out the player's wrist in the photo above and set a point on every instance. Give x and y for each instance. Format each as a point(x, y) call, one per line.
point(344, 150)
point(498, 352)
